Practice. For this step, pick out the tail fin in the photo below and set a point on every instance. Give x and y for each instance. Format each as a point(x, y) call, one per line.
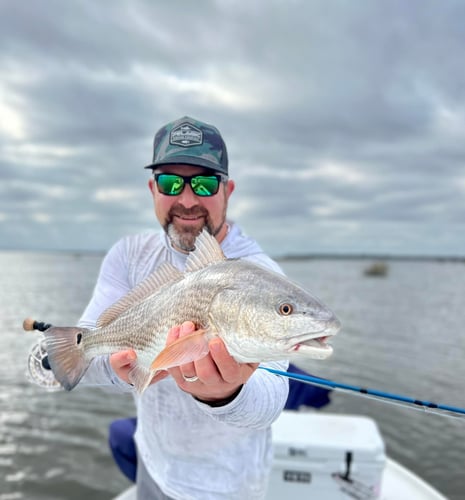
point(66, 354)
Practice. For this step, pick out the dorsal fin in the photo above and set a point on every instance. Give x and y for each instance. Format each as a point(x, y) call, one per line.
point(164, 274)
point(207, 251)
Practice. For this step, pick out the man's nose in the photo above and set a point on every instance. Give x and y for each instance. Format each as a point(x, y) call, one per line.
point(187, 197)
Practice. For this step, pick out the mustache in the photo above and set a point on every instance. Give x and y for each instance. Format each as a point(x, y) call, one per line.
point(180, 211)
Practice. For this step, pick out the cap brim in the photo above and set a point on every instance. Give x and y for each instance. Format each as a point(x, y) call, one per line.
point(188, 160)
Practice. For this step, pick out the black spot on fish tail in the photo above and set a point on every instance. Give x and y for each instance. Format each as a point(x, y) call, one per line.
point(66, 356)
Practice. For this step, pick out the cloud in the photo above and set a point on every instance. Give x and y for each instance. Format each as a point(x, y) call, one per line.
point(344, 121)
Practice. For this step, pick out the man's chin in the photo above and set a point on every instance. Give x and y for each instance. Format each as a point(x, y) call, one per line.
point(183, 236)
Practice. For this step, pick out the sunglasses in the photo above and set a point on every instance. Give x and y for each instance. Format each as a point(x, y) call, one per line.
point(202, 185)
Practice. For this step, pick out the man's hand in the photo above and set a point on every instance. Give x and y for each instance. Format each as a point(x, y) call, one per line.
point(219, 374)
point(121, 362)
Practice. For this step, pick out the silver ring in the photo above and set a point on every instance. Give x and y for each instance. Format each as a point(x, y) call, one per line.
point(190, 379)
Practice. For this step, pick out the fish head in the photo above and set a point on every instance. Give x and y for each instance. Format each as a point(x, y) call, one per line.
point(304, 325)
point(299, 323)
point(277, 319)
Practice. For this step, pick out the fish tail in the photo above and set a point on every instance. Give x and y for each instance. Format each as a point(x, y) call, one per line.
point(66, 355)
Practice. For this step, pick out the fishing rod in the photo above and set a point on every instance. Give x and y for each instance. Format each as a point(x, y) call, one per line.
point(418, 404)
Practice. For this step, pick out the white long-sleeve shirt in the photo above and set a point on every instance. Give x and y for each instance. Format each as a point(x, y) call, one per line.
point(192, 450)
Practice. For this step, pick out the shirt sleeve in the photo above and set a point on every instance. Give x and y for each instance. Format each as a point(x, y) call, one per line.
point(112, 284)
point(259, 403)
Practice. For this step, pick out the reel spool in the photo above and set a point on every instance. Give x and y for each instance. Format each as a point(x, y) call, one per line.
point(38, 370)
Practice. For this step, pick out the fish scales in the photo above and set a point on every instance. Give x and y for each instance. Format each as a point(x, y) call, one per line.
point(141, 330)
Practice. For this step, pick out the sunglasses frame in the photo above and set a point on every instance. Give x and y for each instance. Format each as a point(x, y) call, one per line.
point(187, 179)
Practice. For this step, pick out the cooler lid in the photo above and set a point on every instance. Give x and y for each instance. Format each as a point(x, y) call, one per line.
point(326, 436)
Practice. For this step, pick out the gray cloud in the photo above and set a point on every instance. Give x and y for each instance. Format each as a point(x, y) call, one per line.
point(344, 121)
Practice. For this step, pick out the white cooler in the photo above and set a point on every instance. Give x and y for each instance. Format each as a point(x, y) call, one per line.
point(328, 457)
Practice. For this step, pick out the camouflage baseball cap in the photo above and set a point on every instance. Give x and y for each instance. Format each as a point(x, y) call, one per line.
point(192, 142)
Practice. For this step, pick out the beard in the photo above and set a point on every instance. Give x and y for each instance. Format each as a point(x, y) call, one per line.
point(183, 236)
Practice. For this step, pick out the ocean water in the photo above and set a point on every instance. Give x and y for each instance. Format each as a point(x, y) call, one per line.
point(402, 333)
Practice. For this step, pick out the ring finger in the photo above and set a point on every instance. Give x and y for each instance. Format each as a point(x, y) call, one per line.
point(188, 370)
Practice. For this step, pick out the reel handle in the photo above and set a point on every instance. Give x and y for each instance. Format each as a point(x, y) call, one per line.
point(30, 325)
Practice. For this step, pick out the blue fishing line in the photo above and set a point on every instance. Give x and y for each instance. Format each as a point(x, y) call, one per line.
point(309, 379)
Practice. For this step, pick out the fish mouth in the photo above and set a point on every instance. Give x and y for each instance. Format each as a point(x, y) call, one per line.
point(312, 345)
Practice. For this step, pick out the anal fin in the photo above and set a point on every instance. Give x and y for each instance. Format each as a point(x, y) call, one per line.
point(140, 377)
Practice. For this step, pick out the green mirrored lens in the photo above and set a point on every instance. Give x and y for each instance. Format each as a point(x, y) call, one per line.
point(203, 185)
point(170, 184)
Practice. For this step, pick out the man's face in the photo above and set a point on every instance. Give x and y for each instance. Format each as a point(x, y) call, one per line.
point(184, 216)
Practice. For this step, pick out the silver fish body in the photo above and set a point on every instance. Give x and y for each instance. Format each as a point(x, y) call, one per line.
point(259, 314)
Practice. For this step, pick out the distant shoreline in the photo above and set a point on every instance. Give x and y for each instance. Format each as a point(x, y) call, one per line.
point(372, 257)
point(280, 258)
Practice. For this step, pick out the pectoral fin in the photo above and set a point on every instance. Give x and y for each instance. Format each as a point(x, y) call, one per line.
point(184, 350)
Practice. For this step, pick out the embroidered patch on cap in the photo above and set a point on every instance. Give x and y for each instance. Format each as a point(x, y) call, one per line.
point(186, 135)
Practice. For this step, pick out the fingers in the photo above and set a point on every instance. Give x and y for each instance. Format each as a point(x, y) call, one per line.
point(179, 331)
point(207, 371)
point(213, 377)
point(121, 362)
point(122, 358)
point(174, 334)
point(230, 370)
point(226, 367)
point(186, 329)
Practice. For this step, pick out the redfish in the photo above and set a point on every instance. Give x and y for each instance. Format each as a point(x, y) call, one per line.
point(260, 315)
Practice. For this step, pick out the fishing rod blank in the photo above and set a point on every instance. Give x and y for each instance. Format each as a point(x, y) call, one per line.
point(426, 405)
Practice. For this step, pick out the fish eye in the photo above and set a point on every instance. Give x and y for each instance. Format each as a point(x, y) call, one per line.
point(79, 338)
point(286, 309)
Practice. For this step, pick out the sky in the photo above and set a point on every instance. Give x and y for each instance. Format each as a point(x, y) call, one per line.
point(344, 119)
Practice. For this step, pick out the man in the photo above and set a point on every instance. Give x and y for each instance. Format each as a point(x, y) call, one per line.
point(203, 431)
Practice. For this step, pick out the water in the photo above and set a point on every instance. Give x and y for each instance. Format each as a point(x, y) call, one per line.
point(402, 333)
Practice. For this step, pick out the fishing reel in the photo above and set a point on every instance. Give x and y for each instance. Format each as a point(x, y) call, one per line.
point(38, 368)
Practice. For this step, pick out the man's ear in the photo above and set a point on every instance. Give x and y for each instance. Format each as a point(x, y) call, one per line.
point(230, 186)
point(151, 185)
